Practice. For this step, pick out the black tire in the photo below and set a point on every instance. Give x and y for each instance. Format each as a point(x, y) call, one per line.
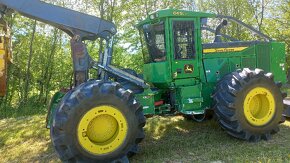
point(229, 98)
point(77, 103)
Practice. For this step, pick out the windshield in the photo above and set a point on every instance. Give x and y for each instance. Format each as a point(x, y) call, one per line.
point(153, 42)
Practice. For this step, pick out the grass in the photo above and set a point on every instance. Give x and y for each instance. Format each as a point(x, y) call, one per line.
point(25, 139)
point(168, 139)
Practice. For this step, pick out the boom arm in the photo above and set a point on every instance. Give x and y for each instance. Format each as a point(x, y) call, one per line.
point(80, 27)
point(72, 22)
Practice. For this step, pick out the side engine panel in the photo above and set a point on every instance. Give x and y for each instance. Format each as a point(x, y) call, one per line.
point(268, 56)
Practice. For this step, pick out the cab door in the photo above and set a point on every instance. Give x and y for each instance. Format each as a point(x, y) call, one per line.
point(185, 58)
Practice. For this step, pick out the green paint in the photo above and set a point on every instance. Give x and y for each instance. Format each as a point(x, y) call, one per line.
point(277, 61)
point(263, 51)
point(191, 92)
point(147, 100)
point(234, 64)
point(189, 99)
point(216, 68)
point(56, 98)
point(158, 73)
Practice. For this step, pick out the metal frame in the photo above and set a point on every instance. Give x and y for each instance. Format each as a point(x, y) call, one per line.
point(79, 27)
point(72, 22)
point(223, 35)
point(266, 38)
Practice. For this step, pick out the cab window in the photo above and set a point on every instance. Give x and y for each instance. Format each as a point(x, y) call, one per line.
point(183, 34)
point(153, 35)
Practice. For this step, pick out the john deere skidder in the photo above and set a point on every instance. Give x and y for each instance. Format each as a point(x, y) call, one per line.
point(187, 70)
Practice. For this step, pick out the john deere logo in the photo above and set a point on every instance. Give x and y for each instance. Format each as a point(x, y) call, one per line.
point(188, 69)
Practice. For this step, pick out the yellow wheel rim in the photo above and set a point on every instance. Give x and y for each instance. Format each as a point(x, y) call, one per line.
point(102, 130)
point(259, 106)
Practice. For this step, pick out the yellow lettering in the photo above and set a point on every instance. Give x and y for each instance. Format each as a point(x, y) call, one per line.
point(178, 13)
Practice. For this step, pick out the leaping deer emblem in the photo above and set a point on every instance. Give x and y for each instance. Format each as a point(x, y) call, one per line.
point(188, 68)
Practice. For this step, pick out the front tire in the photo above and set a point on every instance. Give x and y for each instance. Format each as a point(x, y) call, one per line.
point(97, 122)
point(249, 104)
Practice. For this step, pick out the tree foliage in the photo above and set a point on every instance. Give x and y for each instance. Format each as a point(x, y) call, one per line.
point(42, 64)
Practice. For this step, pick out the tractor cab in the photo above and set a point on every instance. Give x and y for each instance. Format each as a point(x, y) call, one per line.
point(177, 43)
point(171, 46)
point(187, 53)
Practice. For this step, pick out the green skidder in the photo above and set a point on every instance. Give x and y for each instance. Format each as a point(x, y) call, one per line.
point(192, 66)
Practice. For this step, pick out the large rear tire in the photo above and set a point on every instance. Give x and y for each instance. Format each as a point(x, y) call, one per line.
point(249, 104)
point(97, 122)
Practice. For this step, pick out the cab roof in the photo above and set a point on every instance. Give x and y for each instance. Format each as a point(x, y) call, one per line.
point(175, 13)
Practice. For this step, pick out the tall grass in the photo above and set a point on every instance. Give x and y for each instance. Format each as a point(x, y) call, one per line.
point(168, 139)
